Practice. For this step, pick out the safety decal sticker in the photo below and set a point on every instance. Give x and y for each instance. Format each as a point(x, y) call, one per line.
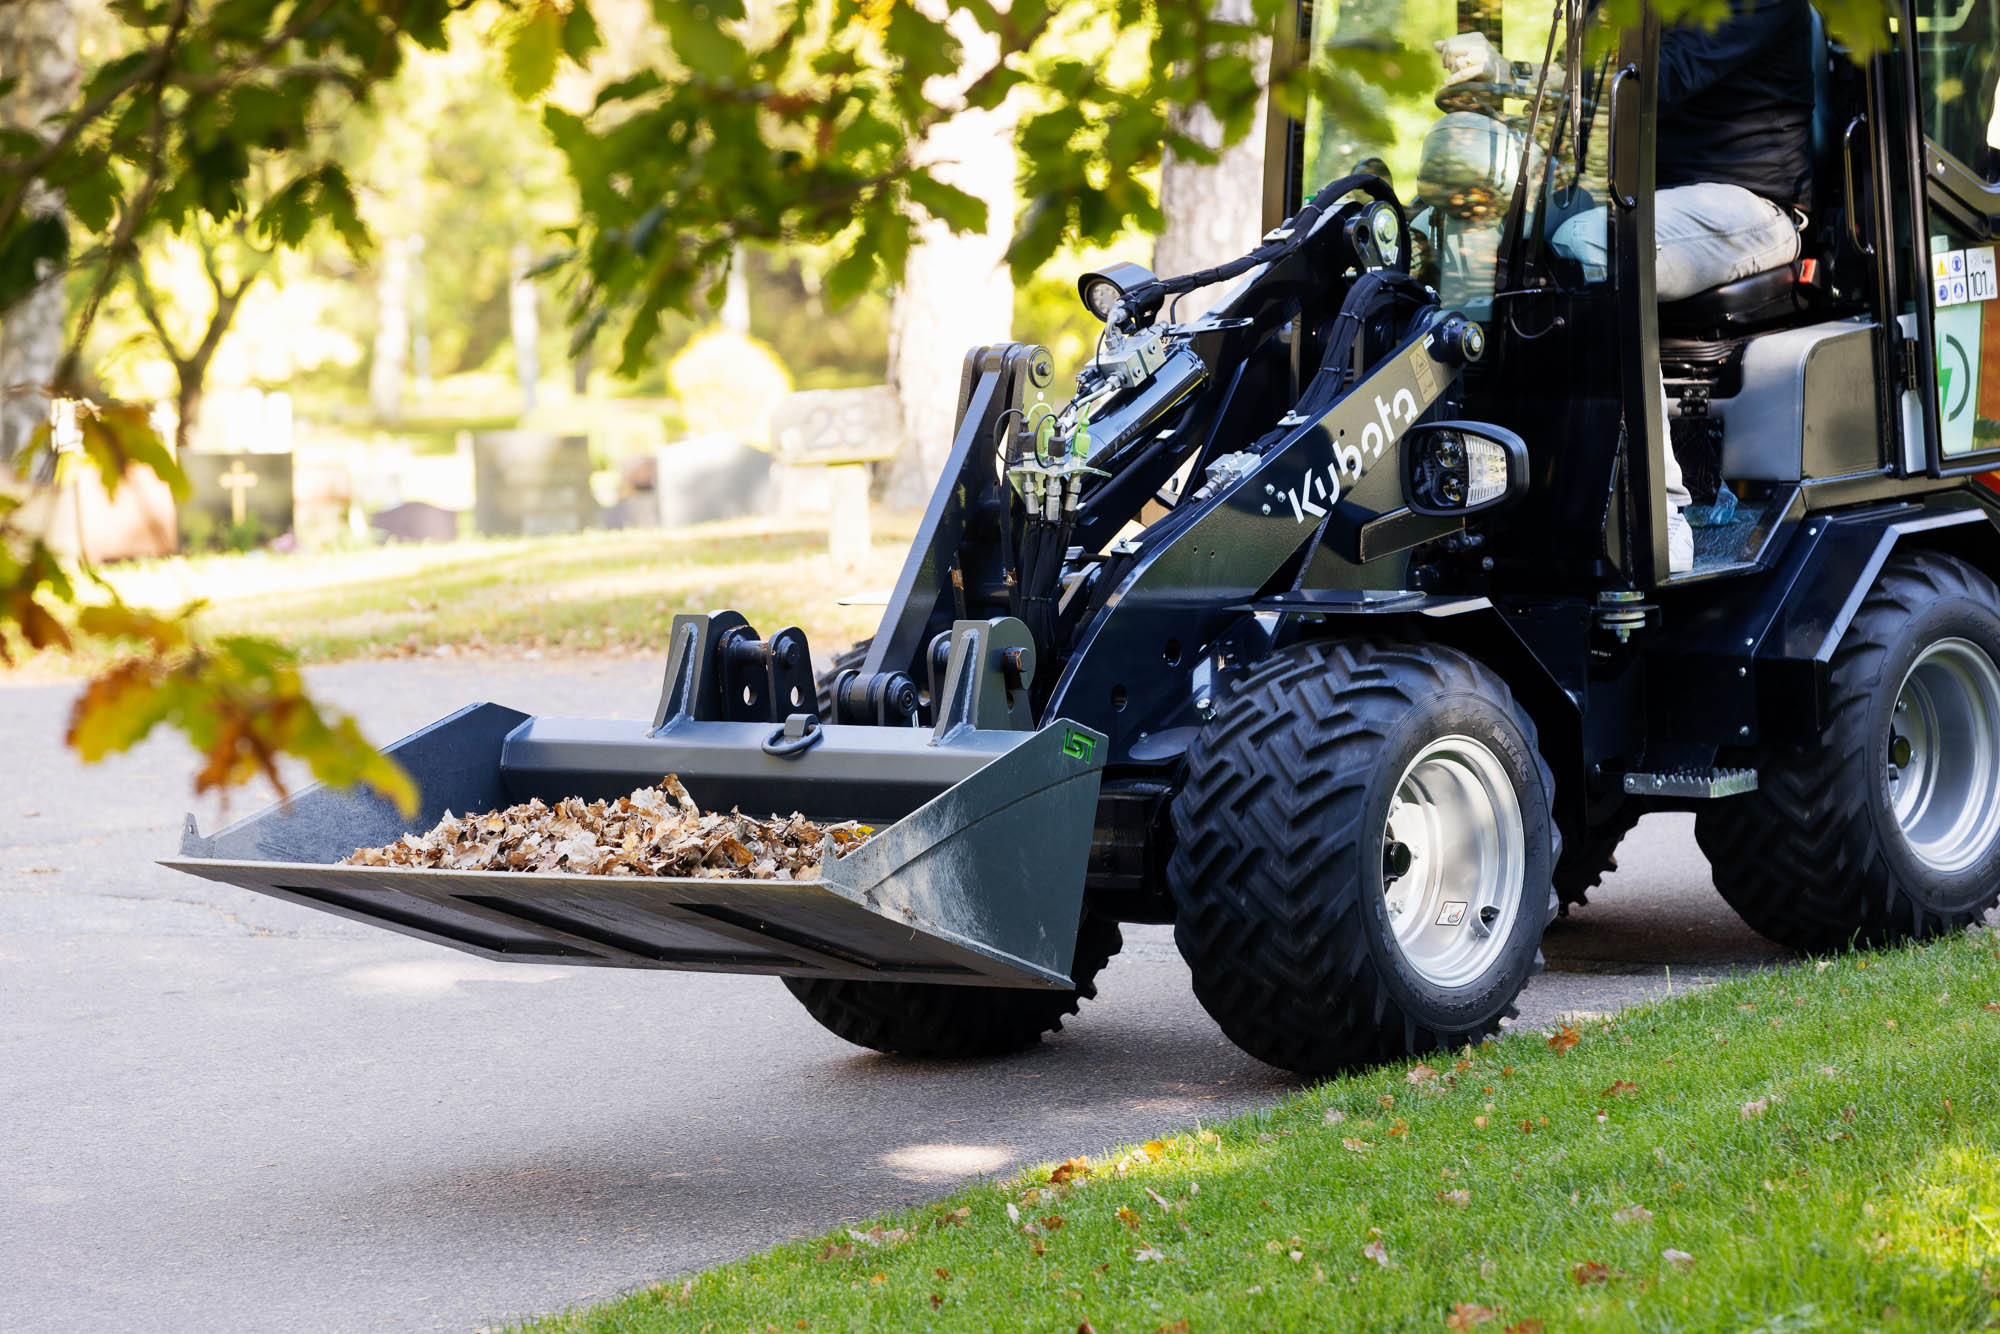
point(1453, 914)
point(1959, 277)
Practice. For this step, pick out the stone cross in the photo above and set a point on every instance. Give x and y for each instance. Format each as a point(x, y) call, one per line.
point(237, 481)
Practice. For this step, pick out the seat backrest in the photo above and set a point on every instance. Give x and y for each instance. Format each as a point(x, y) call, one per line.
point(1825, 130)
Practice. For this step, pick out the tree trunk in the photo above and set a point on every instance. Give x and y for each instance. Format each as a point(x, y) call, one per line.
point(392, 333)
point(524, 320)
point(956, 290)
point(37, 43)
point(1214, 212)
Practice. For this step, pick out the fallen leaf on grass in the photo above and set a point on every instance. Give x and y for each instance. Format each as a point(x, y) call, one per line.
point(1633, 1213)
point(1178, 1327)
point(1755, 1108)
point(1457, 1198)
point(1421, 1074)
point(1991, 1005)
point(1564, 1038)
point(1052, 1222)
point(1334, 1116)
point(1466, 1315)
point(1129, 1217)
point(1073, 1170)
point(833, 1252)
point(1377, 1252)
point(1353, 1145)
point(1159, 1199)
point(1620, 1088)
point(1592, 1271)
point(956, 1218)
point(1154, 1148)
point(1013, 1214)
point(1085, 1327)
point(1524, 1327)
point(1678, 1259)
point(1146, 1254)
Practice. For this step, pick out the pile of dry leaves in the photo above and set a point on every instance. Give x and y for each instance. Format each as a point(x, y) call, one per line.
point(655, 831)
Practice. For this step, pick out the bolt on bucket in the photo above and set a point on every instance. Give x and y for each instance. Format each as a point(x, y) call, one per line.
point(974, 876)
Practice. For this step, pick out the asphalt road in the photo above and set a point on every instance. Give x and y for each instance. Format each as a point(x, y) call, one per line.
point(222, 1112)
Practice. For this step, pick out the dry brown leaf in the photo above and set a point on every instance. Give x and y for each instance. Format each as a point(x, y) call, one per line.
point(1633, 1213)
point(1334, 1116)
point(1564, 1038)
point(1530, 1326)
point(657, 831)
point(1421, 1074)
point(1129, 1217)
point(1620, 1089)
point(1377, 1252)
point(1593, 1271)
point(1072, 1170)
point(1678, 1259)
point(1468, 1315)
point(1755, 1108)
point(1460, 1199)
point(1052, 1222)
point(1353, 1145)
point(1178, 1327)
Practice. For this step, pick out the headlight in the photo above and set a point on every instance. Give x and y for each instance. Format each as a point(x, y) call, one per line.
point(1456, 468)
point(1103, 291)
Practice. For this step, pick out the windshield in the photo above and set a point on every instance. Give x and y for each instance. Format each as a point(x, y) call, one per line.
point(1455, 102)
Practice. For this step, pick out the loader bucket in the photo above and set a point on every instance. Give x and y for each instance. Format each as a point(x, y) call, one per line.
point(975, 876)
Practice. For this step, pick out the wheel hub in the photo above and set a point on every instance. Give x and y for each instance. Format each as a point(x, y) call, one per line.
point(1454, 856)
point(1944, 755)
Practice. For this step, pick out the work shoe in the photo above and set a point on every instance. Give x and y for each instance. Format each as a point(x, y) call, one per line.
point(1680, 542)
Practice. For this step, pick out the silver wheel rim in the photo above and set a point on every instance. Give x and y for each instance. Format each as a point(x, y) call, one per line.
point(1454, 856)
point(1944, 755)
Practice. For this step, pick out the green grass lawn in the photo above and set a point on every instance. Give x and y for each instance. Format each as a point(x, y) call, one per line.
point(577, 593)
point(1816, 1148)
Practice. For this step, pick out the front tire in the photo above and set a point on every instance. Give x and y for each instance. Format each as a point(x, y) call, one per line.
point(933, 1022)
point(1888, 826)
point(1364, 858)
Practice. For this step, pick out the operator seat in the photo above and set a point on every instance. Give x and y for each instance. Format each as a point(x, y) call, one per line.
point(1774, 296)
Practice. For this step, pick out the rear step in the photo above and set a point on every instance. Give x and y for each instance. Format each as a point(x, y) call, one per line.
point(975, 875)
point(1692, 784)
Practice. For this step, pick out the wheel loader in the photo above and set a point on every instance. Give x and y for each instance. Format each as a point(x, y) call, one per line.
point(1330, 617)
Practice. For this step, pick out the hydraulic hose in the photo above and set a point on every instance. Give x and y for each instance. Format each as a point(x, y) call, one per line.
point(1297, 229)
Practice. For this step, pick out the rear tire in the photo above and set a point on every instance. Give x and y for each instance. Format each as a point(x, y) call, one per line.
point(928, 1021)
point(1302, 833)
point(1887, 827)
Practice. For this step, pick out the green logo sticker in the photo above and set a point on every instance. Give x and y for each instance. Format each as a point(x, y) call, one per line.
point(1079, 745)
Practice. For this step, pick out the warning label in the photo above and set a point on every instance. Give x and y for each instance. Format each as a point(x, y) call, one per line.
point(1959, 277)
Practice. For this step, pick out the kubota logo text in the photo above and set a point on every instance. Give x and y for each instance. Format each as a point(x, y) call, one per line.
point(1319, 491)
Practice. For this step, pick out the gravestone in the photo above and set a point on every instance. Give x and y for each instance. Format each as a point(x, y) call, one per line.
point(527, 483)
point(415, 521)
point(710, 477)
point(827, 439)
point(235, 499)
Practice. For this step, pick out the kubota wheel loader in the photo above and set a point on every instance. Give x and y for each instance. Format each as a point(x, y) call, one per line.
point(1335, 625)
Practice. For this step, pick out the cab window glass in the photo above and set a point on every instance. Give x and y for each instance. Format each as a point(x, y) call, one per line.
point(1958, 44)
point(1456, 154)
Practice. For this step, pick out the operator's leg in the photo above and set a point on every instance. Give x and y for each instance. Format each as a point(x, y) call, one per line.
point(1706, 235)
